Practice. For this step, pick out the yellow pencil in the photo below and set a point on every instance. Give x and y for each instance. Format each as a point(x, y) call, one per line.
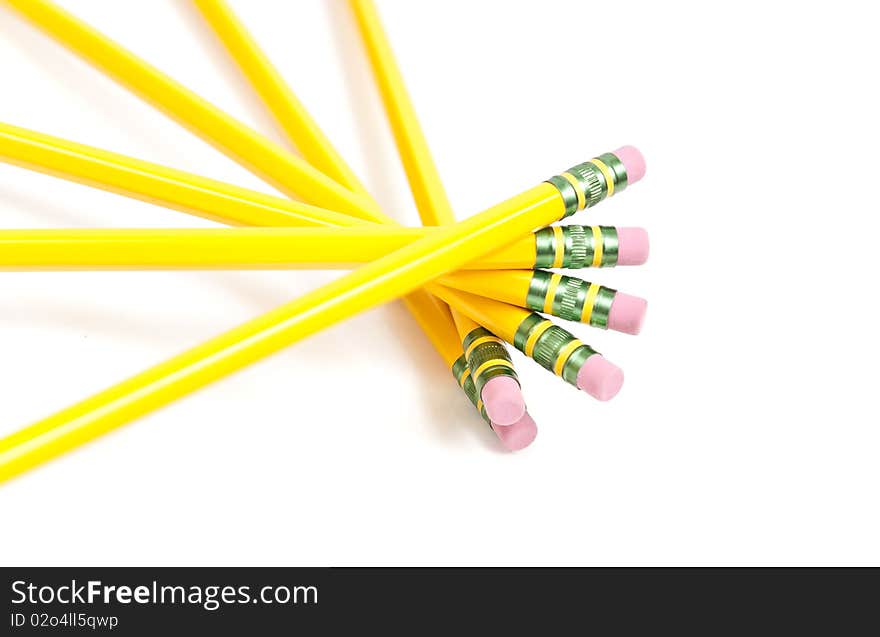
point(571, 246)
point(496, 386)
point(434, 319)
point(501, 275)
point(421, 171)
point(227, 248)
point(169, 187)
point(183, 191)
point(540, 339)
point(293, 117)
point(189, 193)
point(378, 282)
point(567, 297)
point(287, 172)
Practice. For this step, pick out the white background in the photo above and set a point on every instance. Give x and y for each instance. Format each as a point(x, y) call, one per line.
point(746, 432)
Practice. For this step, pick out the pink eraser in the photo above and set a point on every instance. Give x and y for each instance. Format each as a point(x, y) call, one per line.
point(503, 400)
point(632, 246)
point(633, 162)
point(627, 314)
point(519, 435)
point(600, 378)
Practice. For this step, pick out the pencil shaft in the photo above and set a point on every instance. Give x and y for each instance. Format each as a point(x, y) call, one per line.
point(304, 133)
point(373, 284)
point(571, 246)
point(418, 163)
point(188, 193)
point(154, 183)
point(224, 248)
point(424, 180)
point(500, 318)
point(290, 114)
point(287, 172)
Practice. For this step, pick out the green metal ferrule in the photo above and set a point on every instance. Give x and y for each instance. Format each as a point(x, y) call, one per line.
point(610, 246)
point(617, 167)
point(459, 367)
point(568, 296)
point(594, 180)
point(568, 301)
point(537, 292)
point(575, 246)
point(545, 248)
point(601, 307)
point(470, 391)
point(460, 371)
point(579, 246)
point(548, 348)
point(592, 183)
point(569, 194)
point(549, 344)
point(525, 328)
point(575, 362)
point(553, 343)
point(487, 359)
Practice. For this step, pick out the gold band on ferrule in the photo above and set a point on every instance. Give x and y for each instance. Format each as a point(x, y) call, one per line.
point(582, 201)
point(462, 373)
point(495, 362)
point(606, 172)
point(550, 296)
point(487, 357)
point(552, 347)
point(563, 355)
point(529, 347)
point(591, 182)
point(598, 246)
point(478, 341)
point(589, 302)
point(558, 246)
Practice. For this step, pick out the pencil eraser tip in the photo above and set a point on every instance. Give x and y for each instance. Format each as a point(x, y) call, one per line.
point(632, 246)
point(504, 401)
point(633, 161)
point(627, 313)
point(600, 378)
point(519, 435)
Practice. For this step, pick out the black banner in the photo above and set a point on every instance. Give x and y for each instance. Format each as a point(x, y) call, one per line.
point(151, 601)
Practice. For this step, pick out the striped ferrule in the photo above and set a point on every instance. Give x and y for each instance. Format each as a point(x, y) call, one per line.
point(462, 374)
point(487, 357)
point(585, 185)
point(570, 298)
point(552, 347)
point(575, 247)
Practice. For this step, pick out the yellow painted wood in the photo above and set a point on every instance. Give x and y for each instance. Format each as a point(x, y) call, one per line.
point(272, 163)
point(304, 133)
point(234, 249)
point(157, 184)
point(378, 282)
point(499, 318)
point(273, 90)
point(512, 286)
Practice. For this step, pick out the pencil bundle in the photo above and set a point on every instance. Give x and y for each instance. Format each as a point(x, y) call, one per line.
point(474, 286)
